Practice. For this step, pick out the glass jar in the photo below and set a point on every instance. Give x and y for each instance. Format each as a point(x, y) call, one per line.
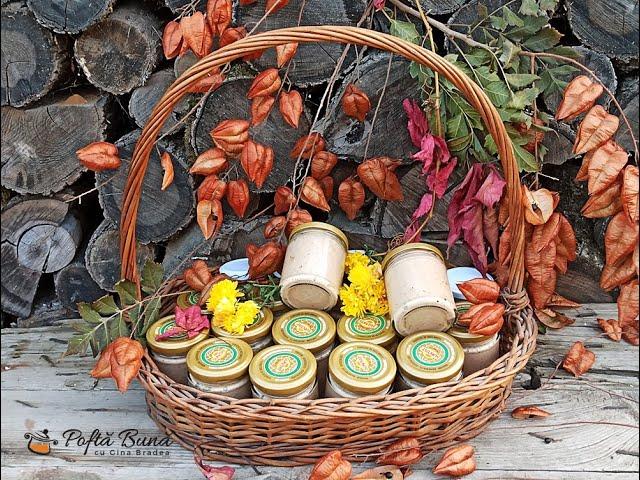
point(312, 330)
point(188, 299)
point(427, 358)
point(358, 369)
point(171, 354)
point(284, 371)
point(418, 291)
point(257, 335)
point(313, 266)
point(221, 366)
point(479, 351)
point(376, 329)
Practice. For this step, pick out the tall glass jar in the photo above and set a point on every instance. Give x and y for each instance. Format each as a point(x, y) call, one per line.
point(171, 354)
point(376, 329)
point(221, 366)
point(257, 335)
point(427, 358)
point(284, 371)
point(418, 291)
point(312, 330)
point(479, 351)
point(358, 369)
point(313, 266)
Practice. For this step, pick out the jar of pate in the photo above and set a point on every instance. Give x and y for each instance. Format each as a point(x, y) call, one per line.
point(284, 371)
point(313, 266)
point(257, 335)
point(376, 329)
point(170, 354)
point(358, 369)
point(221, 366)
point(312, 330)
point(427, 358)
point(479, 351)
point(418, 291)
point(188, 299)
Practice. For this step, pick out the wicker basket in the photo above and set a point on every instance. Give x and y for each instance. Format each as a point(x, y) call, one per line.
point(287, 432)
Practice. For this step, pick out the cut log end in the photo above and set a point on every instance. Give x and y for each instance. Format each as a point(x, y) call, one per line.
point(63, 16)
point(34, 60)
point(73, 284)
point(120, 52)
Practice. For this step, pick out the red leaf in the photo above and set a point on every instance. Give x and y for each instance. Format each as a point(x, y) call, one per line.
point(403, 452)
point(219, 13)
point(207, 84)
point(196, 34)
point(331, 467)
point(209, 162)
point(211, 472)
point(238, 196)
point(313, 194)
point(257, 162)
point(620, 238)
point(284, 199)
point(355, 103)
point(490, 192)
point(209, 216)
point(629, 194)
point(612, 328)
point(605, 164)
point(596, 128)
point(274, 5)
point(188, 320)
point(266, 83)
point(171, 39)
point(212, 188)
point(291, 107)
point(296, 217)
point(265, 260)
point(285, 52)
point(322, 164)
point(604, 204)
point(231, 35)
point(260, 108)
point(578, 360)
point(99, 156)
point(274, 227)
point(380, 180)
point(351, 197)
point(480, 290)
point(120, 360)
point(579, 96)
point(457, 462)
point(417, 124)
point(307, 146)
point(231, 135)
point(327, 187)
point(167, 167)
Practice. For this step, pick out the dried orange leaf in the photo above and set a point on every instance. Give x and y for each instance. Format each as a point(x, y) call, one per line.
point(273, 6)
point(209, 217)
point(284, 199)
point(401, 453)
point(612, 328)
point(566, 244)
point(231, 135)
point(291, 107)
point(219, 13)
point(552, 319)
point(308, 146)
point(207, 84)
point(209, 162)
point(327, 187)
point(167, 167)
point(322, 164)
point(257, 162)
point(331, 467)
point(578, 360)
point(383, 472)
point(579, 96)
point(617, 274)
point(604, 204)
point(380, 179)
point(596, 128)
point(196, 34)
point(620, 238)
point(171, 39)
point(355, 103)
point(480, 290)
point(628, 302)
point(231, 35)
point(457, 462)
point(538, 205)
point(605, 165)
point(629, 193)
point(99, 156)
point(296, 217)
point(120, 360)
point(312, 193)
point(265, 260)
point(530, 411)
point(583, 172)
point(274, 227)
point(559, 301)
point(238, 196)
point(489, 321)
point(547, 232)
point(260, 109)
point(212, 188)
point(285, 52)
point(266, 83)
point(467, 317)
point(351, 196)
point(198, 276)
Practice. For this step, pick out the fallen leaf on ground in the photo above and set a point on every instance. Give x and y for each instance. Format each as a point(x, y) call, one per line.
point(530, 411)
point(331, 467)
point(578, 359)
point(457, 462)
point(214, 473)
point(403, 452)
point(120, 360)
point(552, 319)
point(383, 472)
point(612, 328)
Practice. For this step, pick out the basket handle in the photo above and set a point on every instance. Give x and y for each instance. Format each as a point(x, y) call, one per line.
point(337, 34)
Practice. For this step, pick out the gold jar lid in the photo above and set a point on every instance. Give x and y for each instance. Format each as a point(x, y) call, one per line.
point(376, 329)
point(321, 226)
point(188, 299)
point(430, 357)
point(362, 367)
point(461, 333)
point(313, 330)
point(173, 346)
point(260, 328)
point(408, 247)
point(283, 370)
point(219, 360)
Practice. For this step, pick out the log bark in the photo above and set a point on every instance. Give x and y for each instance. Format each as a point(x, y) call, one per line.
point(161, 213)
point(313, 63)
point(559, 142)
point(609, 27)
point(230, 101)
point(39, 144)
point(34, 60)
point(65, 16)
point(440, 7)
point(120, 52)
point(144, 98)
point(39, 235)
point(347, 137)
point(102, 257)
point(628, 98)
point(74, 284)
point(177, 6)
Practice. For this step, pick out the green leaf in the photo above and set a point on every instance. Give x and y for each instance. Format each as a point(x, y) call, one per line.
point(531, 26)
point(486, 76)
point(543, 40)
point(520, 80)
point(118, 328)
point(478, 57)
point(82, 327)
point(548, 5)
point(510, 51)
point(529, 7)
point(105, 305)
point(499, 23)
point(526, 160)
point(457, 126)
point(151, 314)
point(404, 30)
point(152, 274)
point(511, 18)
point(88, 314)
point(459, 144)
point(127, 292)
point(552, 79)
point(77, 345)
point(568, 52)
point(524, 98)
point(498, 93)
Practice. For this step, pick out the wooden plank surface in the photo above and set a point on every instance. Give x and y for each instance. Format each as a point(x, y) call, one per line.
point(592, 433)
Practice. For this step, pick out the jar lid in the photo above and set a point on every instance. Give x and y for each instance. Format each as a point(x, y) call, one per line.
point(408, 247)
point(175, 345)
point(283, 370)
point(376, 329)
point(188, 299)
point(310, 329)
point(362, 367)
point(260, 328)
point(461, 333)
point(430, 357)
point(218, 360)
point(321, 226)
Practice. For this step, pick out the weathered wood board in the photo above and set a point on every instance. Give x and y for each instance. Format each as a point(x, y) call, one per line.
point(592, 433)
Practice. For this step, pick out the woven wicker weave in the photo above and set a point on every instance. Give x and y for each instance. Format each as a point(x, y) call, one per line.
point(287, 432)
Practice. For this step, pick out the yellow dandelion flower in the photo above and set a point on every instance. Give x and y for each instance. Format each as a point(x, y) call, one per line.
point(224, 311)
point(352, 303)
point(225, 289)
point(361, 277)
point(355, 258)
